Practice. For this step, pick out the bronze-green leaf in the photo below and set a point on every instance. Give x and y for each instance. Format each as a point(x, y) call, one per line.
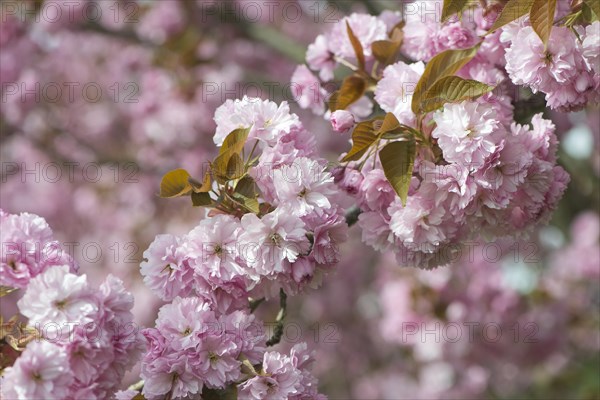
point(246, 187)
point(233, 144)
point(541, 17)
point(452, 89)
point(385, 51)
point(397, 160)
point(4, 290)
point(352, 89)
point(201, 187)
point(175, 183)
point(235, 141)
point(594, 5)
point(390, 122)
point(357, 46)
point(201, 199)
point(363, 137)
point(444, 64)
point(452, 7)
point(229, 393)
point(235, 167)
point(250, 203)
point(512, 10)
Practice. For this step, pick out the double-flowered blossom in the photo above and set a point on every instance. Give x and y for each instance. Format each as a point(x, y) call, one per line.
point(192, 347)
point(86, 338)
point(475, 170)
point(28, 249)
point(227, 258)
point(283, 377)
point(565, 70)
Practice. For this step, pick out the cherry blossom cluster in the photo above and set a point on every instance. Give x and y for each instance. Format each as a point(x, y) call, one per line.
point(496, 181)
point(475, 171)
point(227, 258)
point(214, 351)
point(567, 70)
point(28, 249)
point(239, 251)
point(85, 337)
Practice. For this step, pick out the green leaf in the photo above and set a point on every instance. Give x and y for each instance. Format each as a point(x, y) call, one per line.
point(201, 199)
point(541, 17)
point(203, 187)
point(452, 7)
point(235, 141)
point(357, 46)
point(385, 51)
point(175, 183)
point(390, 123)
point(452, 89)
point(250, 203)
point(246, 187)
point(594, 5)
point(229, 393)
point(4, 290)
point(397, 160)
point(513, 10)
point(363, 137)
point(235, 167)
point(352, 89)
point(233, 144)
point(444, 64)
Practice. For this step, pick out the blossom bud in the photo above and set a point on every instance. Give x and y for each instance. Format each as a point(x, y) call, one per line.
point(342, 121)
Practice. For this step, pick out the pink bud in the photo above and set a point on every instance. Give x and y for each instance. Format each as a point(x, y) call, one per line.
point(342, 121)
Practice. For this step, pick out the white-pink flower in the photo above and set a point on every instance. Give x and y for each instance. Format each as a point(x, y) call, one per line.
point(394, 92)
point(303, 186)
point(41, 372)
point(166, 269)
point(465, 132)
point(281, 380)
point(307, 90)
point(419, 225)
point(58, 297)
point(212, 248)
point(270, 243)
point(266, 119)
point(320, 58)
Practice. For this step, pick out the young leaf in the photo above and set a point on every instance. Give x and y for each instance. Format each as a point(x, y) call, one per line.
point(235, 167)
point(201, 199)
point(246, 187)
point(513, 10)
point(175, 183)
point(390, 122)
point(357, 46)
point(594, 5)
point(385, 51)
point(452, 89)
point(542, 18)
point(250, 203)
point(235, 141)
point(4, 290)
point(233, 144)
point(229, 393)
point(352, 89)
point(363, 137)
point(397, 160)
point(444, 64)
point(203, 187)
point(452, 7)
